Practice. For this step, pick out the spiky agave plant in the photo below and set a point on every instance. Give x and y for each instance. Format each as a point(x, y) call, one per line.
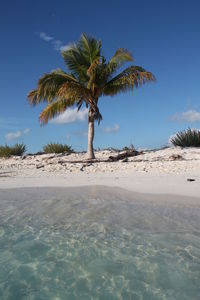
point(89, 77)
point(187, 138)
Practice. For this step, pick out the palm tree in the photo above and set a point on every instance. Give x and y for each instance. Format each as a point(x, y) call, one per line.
point(89, 77)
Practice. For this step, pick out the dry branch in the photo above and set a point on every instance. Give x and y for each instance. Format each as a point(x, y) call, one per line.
point(124, 155)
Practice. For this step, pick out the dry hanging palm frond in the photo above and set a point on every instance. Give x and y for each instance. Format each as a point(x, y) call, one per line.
point(54, 109)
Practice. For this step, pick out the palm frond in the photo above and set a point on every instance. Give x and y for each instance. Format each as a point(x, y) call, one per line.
point(78, 57)
point(32, 97)
point(131, 77)
point(55, 108)
point(75, 91)
point(76, 62)
point(90, 47)
point(48, 87)
point(79, 104)
point(120, 57)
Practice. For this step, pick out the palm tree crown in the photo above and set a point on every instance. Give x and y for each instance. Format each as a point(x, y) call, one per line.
point(89, 77)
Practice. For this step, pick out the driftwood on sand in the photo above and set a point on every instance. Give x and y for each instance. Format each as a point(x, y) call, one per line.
point(121, 156)
point(124, 155)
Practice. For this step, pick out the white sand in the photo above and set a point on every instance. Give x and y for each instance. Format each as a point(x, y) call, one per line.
point(151, 172)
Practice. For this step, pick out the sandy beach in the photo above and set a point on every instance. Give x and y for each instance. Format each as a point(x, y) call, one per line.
point(163, 171)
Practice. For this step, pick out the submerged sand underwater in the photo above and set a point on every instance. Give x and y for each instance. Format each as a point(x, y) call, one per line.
point(97, 242)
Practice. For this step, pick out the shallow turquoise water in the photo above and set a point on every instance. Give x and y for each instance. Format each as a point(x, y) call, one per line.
point(97, 243)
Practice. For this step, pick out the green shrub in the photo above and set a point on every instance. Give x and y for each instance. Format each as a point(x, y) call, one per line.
point(5, 151)
point(57, 148)
point(16, 150)
point(187, 138)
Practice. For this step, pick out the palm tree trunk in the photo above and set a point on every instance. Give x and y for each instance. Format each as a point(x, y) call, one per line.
point(90, 135)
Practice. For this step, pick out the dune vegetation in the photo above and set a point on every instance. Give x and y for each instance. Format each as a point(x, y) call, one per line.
point(15, 150)
point(187, 138)
point(57, 148)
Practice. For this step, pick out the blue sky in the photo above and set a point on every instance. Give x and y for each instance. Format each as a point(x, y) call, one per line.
point(163, 36)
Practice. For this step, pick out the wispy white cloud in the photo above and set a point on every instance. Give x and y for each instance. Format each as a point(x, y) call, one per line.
point(45, 37)
point(13, 135)
point(187, 116)
point(16, 135)
point(57, 44)
point(71, 115)
point(113, 129)
point(65, 47)
point(27, 130)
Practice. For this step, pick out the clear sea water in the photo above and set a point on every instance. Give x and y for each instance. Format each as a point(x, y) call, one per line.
point(98, 243)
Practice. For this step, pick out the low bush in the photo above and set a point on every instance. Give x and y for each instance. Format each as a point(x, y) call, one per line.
point(57, 148)
point(187, 138)
point(5, 151)
point(16, 150)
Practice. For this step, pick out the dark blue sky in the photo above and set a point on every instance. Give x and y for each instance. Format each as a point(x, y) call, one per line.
point(164, 37)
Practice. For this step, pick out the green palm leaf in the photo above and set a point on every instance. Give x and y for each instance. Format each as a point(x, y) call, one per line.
point(78, 57)
point(131, 77)
point(48, 86)
point(120, 57)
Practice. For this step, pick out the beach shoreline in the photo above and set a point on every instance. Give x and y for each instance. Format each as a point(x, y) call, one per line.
point(153, 172)
point(139, 183)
